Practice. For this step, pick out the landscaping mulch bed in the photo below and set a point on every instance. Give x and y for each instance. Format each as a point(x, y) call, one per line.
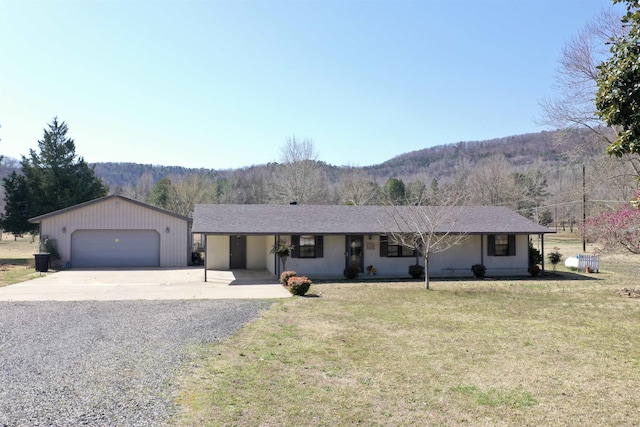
point(631, 293)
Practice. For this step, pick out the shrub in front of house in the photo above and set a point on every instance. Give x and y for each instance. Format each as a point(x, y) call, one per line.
point(298, 285)
point(50, 246)
point(534, 270)
point(478, 270)
point(535, 257)
point(285, 275)
point(351, 272)
point(197, 258)
point(555, 257)
point(416, 271)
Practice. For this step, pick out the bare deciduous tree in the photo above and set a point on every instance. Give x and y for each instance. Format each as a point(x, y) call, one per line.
point(358, 189)
point(246, 186)
point(577, 74)
point(492, 183)
point(576, 86)
point(299, 178)
point(417, 193)
point(142, 189)
point(427, 229)
point(185, 192)
point(295, 150)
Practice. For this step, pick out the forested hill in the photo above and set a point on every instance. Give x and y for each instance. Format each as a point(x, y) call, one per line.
point(540, 175)
point(549, 148)
point(437, 162)
point(118, 174)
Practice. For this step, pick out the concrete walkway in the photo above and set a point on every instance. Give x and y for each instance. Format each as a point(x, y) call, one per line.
point(146, 284)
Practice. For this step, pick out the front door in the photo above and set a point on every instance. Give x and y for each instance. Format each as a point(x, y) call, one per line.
point(355, 255)
point(237, 252)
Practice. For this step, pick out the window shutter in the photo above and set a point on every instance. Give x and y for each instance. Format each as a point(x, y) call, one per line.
point(512, 244)
point(491, 245)
point(295, 241)
point(319, 246)
point(383, 246)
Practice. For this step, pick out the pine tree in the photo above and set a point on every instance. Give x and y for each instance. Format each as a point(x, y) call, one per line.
point(56, 177)
point(394, 191)
point(162, 193)
point(53, 178)
point(15, 219)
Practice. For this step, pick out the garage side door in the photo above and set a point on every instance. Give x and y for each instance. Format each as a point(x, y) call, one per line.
point(115, 248)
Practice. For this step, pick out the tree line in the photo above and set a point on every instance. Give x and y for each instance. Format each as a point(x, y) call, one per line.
point(541, 189)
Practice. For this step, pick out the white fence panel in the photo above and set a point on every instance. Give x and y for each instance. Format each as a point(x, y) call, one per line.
point(591, 261)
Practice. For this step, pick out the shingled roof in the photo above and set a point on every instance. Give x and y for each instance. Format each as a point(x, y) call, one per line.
point(342, 219)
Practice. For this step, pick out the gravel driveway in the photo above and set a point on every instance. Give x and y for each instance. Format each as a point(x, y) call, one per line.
point(103, 363)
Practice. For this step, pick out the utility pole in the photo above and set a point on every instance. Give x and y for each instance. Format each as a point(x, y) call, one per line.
point(584, 211)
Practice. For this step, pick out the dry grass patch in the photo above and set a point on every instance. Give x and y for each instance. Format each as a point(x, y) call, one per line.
point(16, 260)
point(492, 352)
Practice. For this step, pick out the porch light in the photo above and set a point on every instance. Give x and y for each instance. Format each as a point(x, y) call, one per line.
point(168, 229)
point(64, 229)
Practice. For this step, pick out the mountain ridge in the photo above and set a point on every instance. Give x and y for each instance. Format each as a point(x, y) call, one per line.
point(439, 161)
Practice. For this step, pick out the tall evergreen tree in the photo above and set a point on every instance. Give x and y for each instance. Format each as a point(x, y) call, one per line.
point(394, 191)
point(57, 178)
point(53, 178)
point(162, 193)
point(15, 219)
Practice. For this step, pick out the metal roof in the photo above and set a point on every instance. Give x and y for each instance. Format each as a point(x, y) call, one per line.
point(39, 218)
point(343, 219)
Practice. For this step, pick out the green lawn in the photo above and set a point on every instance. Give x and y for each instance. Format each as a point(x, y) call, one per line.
point(557, 350)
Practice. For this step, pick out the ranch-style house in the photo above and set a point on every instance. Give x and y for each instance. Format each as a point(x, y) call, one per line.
point(324, 239)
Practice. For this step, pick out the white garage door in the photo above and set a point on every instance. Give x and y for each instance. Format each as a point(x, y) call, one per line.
point(115, 248)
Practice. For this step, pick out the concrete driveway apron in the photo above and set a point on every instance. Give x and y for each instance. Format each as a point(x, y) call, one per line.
point(146, 284)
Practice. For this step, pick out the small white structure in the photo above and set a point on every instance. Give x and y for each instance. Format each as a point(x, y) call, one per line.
point(581, 262)
point(116, 231)
point(589, 261)
point(571, 262)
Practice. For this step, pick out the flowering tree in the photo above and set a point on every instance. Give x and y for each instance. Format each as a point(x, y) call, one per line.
point(617, 230)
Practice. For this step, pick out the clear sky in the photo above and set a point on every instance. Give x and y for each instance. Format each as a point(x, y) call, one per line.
point(223, 84)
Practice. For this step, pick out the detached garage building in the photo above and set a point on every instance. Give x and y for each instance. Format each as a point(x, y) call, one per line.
point(116, 231)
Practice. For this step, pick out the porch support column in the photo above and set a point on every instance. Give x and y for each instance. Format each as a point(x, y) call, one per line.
point(542, 247)
point(276, 264)
point(206, 249)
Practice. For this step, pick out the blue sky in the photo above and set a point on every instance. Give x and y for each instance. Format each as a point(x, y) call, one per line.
point(223, 84)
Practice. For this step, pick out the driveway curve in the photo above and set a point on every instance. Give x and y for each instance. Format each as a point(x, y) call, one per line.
point(104, 363)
